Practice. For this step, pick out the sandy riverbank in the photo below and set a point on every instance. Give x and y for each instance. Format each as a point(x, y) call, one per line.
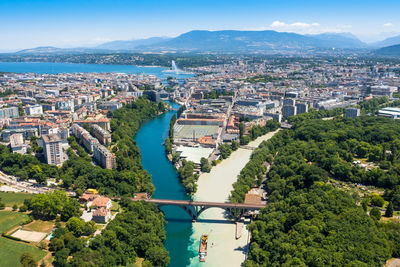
point(224, 249)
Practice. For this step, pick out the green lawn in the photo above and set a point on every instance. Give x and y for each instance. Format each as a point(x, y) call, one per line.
point(9, 219)
point(11, 251)
point(13, 198)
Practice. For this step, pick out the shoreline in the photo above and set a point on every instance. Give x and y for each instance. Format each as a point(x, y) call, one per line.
point(224, 249)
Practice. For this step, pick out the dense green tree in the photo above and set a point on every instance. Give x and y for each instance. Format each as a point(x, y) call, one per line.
point(205, 165)
point(375, 213)
point(27, 260)
point(389, 210)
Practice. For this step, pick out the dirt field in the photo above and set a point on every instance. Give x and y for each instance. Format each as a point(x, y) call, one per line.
point(29, 235)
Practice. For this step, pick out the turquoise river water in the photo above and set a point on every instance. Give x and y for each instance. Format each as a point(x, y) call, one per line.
point(149, 138)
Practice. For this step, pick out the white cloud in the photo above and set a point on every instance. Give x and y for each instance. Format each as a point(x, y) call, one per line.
point(306, 28)
point(278, 24)
point(388, 24)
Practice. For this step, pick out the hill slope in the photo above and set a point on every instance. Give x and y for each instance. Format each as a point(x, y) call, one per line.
point(240, 41)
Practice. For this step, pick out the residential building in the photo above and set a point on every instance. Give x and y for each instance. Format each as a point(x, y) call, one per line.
point(101, 215)
point(301, 108)
point(288, 111)
point(17, 144)
point(34, 110)
point(53, 149)
point(11, 112)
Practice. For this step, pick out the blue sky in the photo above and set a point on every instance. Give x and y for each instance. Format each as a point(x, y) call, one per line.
point(31, 23)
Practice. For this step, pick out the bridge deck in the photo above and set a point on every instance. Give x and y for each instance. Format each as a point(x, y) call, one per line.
point(203, 203)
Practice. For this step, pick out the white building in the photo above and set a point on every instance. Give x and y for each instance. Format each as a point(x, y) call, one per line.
point(34, 110)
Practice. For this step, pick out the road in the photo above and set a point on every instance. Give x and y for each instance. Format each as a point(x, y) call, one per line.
point(22, 186)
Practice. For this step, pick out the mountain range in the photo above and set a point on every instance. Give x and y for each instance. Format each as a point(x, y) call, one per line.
point(229, 41)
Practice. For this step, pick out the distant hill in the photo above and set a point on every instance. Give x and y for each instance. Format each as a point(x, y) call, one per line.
point(242, 41)
point(390, 51)
point(220, 41)
point(395, 40)
point(131, 44)
point(340, 40)
point(56, 50)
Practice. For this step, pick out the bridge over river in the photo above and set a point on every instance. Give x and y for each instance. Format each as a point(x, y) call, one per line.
point(195, 208)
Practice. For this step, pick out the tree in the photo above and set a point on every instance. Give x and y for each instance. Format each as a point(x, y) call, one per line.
point(364, 205)
point(23, 208)
point(234, 145)
point(377, 200)
point(14, 207)
point(71, 209)
point(205, 165)
point(375, 213)
point(27, 260)
point(158, 256)
point(76, 226)
point(389, 210)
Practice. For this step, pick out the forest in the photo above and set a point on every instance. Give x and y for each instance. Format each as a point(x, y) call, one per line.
point(308, 221)
point(138, 231)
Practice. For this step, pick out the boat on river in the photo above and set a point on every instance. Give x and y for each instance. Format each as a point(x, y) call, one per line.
point(203, 247)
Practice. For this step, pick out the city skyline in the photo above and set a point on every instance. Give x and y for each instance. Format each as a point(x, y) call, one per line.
point(89, 23)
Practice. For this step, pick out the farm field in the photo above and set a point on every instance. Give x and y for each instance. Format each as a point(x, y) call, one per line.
point(11, 252)
point(10, 219)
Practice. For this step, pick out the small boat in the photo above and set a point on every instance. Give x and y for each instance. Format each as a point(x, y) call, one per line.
point(203, 248)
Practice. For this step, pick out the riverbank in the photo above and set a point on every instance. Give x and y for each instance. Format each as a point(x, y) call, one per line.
point(224, 249)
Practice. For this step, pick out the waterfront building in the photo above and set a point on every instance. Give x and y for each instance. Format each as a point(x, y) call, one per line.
point(104, 157)
point(102, 135)
point(103, 123)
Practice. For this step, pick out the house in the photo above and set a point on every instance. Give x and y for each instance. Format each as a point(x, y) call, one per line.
point(102, 202)
point(101, 215)
point(85, 198)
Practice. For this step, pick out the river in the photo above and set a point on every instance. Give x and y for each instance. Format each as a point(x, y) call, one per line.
point(149, 138)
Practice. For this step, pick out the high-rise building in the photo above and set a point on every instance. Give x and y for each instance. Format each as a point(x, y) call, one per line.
point(352, 113)
point(288, 111)
point(301, 108)
point(289, 102)
point(53, 149)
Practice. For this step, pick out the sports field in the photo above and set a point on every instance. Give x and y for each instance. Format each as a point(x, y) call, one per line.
point(187, 131)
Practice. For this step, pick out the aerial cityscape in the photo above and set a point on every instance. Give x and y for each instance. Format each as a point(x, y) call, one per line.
point(257, 133)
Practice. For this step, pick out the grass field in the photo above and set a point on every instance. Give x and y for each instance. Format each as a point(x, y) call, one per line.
point(9, 219)
point(40, 226)
point(11, 252)
point(13, 198)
